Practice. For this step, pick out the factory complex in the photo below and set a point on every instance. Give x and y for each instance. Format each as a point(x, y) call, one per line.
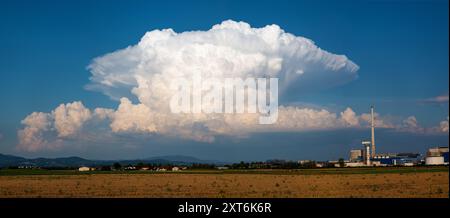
point(367, 155)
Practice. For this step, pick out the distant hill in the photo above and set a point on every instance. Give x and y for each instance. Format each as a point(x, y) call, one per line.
point(6, 160)
point(10, 160)
point(63, 162)
point(184, 159)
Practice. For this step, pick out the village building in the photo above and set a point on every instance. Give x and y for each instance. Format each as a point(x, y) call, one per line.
point(84, 169)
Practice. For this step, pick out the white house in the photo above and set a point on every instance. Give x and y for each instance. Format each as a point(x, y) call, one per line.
point(84, 169)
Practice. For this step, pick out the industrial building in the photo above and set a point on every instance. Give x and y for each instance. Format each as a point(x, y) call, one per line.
point(367, 156)
point(366, 152)
point(437, 156)
point(397, 159)
point(356, 155)
point(363, 157)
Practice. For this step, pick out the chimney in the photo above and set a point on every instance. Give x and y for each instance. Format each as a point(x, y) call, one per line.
point(373, 132)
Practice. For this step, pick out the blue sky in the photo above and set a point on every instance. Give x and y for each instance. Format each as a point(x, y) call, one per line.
point(401, 48)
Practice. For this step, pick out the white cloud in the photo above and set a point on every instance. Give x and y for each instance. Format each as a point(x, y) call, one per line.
point(48, 130)
point(379, 121)
point(129, 117)
point(349, 117)
point(411, 125)
point(443, 126)
point(31, 137)
point(441, 99)
point(70, 117)
point(230, 49)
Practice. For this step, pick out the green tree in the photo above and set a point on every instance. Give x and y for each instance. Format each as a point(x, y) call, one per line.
point(117, 166)
point(341, 162)
point(140, 165)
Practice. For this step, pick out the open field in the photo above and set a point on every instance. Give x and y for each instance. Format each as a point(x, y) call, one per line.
point(369, 182)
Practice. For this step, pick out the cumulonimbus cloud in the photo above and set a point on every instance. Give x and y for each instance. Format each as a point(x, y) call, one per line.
point(139, 77)
point(230, 49)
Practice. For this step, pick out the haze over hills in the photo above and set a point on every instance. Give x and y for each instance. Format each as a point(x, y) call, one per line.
point(183, 158)
point(11, 160)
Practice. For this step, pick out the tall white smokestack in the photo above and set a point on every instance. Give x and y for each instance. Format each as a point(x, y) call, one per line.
point(372, 123)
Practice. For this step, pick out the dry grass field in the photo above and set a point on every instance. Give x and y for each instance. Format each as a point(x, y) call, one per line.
point(391, 185)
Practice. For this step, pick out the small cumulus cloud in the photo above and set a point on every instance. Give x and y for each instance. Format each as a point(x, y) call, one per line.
point(411, 125)
point(443, 126)
point(349, 117)
point(31, 138)
point(68, 118)
point(49, 130)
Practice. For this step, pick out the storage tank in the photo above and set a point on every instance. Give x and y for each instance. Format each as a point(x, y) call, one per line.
point(356, 155)
point(434, 160)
